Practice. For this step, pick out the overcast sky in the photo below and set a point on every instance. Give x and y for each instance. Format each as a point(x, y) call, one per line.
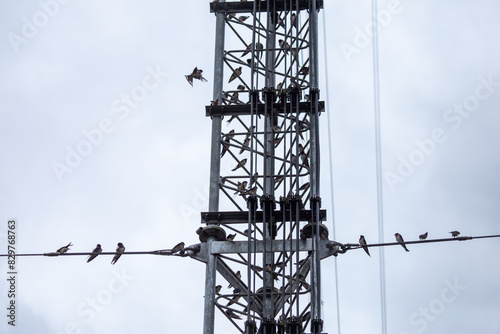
point(66, 71)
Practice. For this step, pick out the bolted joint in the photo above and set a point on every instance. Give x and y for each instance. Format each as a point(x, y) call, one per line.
point(269, 95)
point(252, 203)
point(267, 326)
point(316, 326)
point(250, 327)
point(206, 232)
point(314, 95)
point(293, 325)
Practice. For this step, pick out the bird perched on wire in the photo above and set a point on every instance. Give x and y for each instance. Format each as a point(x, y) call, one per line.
point(362, 243)
point(197, 74)
point(423, 236)
point(64, 249)
point(236, 74)
point(120, 249)
point(177, 248)
point(455, 234)
point(240, 164)
point(95, 252)
point(399, 238)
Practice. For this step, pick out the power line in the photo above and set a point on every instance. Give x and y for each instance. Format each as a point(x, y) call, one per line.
point(347, 247)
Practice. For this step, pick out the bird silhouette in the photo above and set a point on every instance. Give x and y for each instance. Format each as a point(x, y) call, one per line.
point(423, 236)
point(399, 238)
point(362, 243)
point(196, 74)
point(64, 249)
point(120, 249)
point(95, 252)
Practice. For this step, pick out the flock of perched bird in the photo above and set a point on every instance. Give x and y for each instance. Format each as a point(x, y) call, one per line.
point(399, 238)
point(119, 250)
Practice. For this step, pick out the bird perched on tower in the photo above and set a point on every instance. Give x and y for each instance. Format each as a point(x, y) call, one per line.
point(196, 74)
point(120, 249)
point(399, 238)
point(177, 248)
point(240, 164)
point(236, 73)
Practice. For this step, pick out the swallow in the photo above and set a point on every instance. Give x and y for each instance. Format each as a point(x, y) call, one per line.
point(362, 243)
point(120, 249)
point(240, 164)
point(234, 300)
point(260, 48)
point(305, 186)
point(177, 248)
point(229, 135)
point(245, 145)
point(214, 103)
point(197, 74)
point(231, 16)
point(95, 252)
point(455, 234)
point(225, 147)
point(238, 274)
point(240, 87)
point(304, 70)
point(236, 74)
point(270, 270)
point(399, 239)
point(64, 249)
point(306, 98)
point(218, 288)
point(230, 237)
point(241, 187)
point(231, 314)
point(247, 50)
point(243, 18)
point(423, 236)
point(303, 157)
point(284, 45)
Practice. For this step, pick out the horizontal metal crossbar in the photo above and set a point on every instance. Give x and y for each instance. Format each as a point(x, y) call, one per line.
point(241, 217)
point(244, 109)
point(247, 6)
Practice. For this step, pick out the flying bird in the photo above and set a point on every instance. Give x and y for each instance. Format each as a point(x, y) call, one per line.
point(362, 243)
point(455, 234)
point(120, 249)
point(423, 236)
point(95, 252)
point(240, 164)
point(177, 248)
point(197, 74)
point(64, 249)
point(236, 73)
point(399, 239)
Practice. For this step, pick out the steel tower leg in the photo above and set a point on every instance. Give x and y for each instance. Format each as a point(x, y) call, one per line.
point(213, 205)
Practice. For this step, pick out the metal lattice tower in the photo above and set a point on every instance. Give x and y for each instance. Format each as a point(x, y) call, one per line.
point(264, 171)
